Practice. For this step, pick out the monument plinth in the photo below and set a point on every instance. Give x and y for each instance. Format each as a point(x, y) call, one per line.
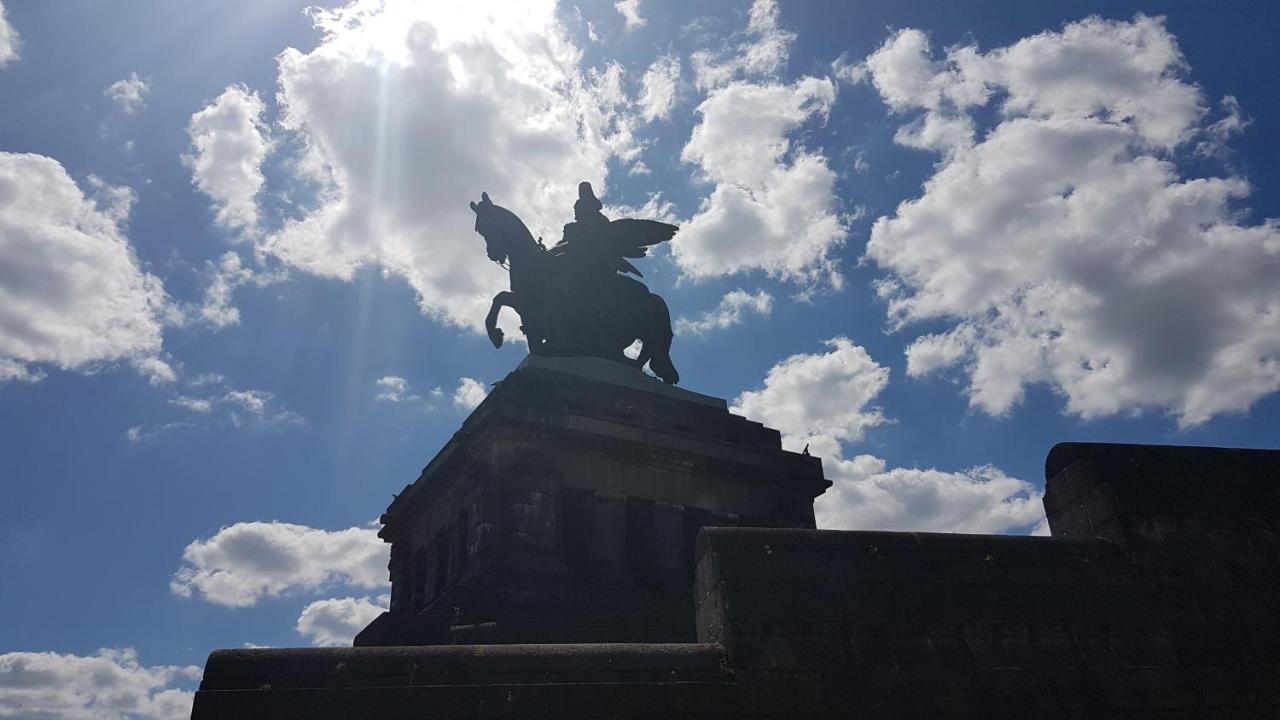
point(567, 507)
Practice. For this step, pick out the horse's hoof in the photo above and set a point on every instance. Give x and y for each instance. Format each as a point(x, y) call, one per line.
point(495, 337)
point(665, 370)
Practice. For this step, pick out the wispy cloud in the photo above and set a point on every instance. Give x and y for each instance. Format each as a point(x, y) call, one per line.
point(732, 310)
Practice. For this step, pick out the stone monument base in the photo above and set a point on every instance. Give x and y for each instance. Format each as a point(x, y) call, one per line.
point(566, 508)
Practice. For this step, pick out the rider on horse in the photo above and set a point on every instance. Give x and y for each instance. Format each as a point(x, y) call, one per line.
point(576, 298)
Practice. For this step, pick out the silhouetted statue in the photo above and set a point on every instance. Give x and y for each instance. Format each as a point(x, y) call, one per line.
point(573, 299)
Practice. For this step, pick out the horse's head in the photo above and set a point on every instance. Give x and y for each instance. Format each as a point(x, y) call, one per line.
point(500, 228)
point(488, 224)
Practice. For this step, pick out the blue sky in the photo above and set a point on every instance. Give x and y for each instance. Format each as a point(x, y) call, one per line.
point(242, 297)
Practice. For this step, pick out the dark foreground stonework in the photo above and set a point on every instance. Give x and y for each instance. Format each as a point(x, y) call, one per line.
point(1158, 595)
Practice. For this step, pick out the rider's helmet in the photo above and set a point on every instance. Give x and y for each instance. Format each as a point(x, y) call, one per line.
point(588, 205)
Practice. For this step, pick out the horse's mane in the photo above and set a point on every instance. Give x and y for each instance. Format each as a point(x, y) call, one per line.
point(510, 223)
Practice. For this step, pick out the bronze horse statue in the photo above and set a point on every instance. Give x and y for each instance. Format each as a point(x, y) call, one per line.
point(571, 300)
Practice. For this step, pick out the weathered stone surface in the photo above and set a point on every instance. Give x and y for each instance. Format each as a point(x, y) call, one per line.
point(1173, 612)
point(1149, 497)
point(566, 508)
point(515, 681)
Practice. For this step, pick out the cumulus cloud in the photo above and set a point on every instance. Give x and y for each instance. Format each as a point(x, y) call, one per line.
point(772, 206)
point(229, 144)
point(128, 93)
point(1065, 246)
point(470, 393)
point(823, 398)
point(8, 40)
point(823, 401)
point(72, 293)
point(245, 562)
point(407, 111)
point(732, 310)
point(111, 685)
point(868, 496)
point(630, 11)
point(658, 88)
point(335, 622)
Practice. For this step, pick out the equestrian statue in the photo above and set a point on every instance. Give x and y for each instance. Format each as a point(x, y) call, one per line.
point(577, 298)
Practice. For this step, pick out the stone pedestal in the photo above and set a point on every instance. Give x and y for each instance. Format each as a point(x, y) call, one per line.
point(566, 509)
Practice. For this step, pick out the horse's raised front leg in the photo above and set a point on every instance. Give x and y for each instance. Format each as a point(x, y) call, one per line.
point(501, 300)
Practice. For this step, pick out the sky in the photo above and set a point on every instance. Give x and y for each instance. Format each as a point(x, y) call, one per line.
point(241, 299)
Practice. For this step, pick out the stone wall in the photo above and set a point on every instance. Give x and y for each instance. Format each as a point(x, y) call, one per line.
point(1158, 597)
point(1173, 612)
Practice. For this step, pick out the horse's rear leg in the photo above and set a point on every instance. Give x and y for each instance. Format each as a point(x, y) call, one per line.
point(657, 342)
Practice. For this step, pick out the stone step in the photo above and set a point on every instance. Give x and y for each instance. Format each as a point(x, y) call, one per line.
point(297, 668)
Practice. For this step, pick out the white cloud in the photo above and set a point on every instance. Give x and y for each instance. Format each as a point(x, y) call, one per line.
point(408, 111)
point(1219, 132)
point(1064, 246)
point(155, 370)
point(823, 402)
point(630, 11)
point(128, 93)
point(908, 78)
point(867, 496)
point(393, 388)
point(206, 379)
point(8, 40)
point(658, 88)
point(469, 394)
point(111, 685)
point(860, 164)
point(773, 206)
point(200, 405)
point(241, 408)
point(731, 311)
point(761, 53)
point(143, 433)
point(224, 277)
point(335, 622)
point(822, 398)
point(229, 146)
point(255, 406)
point(253, 402)
point(247, 561)
point(654, 208)
point(72, 294)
